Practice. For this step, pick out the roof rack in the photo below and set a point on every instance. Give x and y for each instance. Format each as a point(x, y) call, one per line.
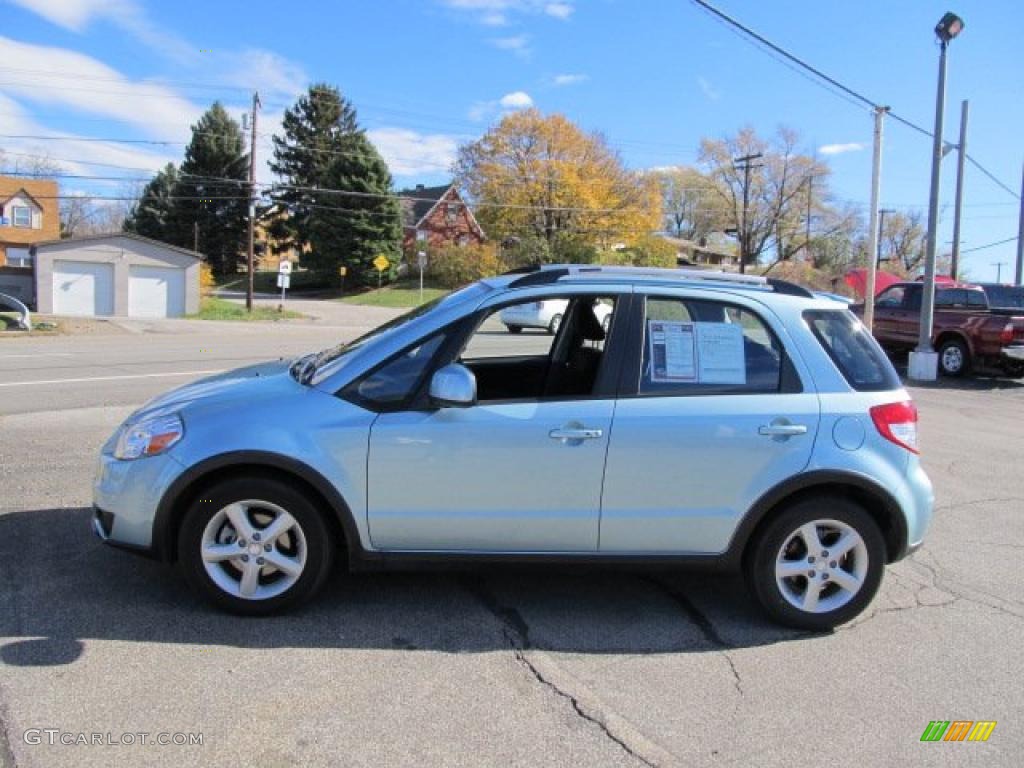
point(551, 273)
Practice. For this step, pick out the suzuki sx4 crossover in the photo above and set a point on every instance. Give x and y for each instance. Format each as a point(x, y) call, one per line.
point(683, 418)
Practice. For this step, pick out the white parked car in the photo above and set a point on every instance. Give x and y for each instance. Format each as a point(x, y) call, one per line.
point(548, 315)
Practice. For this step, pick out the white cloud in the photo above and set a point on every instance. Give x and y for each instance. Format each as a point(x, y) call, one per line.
point(500, 12)
point(839, 149)
point(517, 44)
point(510, 102)
point(559, 10)
point(516, 100)
point(563, 80)
point(77, 14)
point(73, 80)
point(409, 153)
point(708, 90)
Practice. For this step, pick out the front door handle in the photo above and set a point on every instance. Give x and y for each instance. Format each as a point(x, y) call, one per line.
point(782, 429)
point(575, 433)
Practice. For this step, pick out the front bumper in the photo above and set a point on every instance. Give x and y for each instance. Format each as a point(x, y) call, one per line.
point(102, 525)
point(127, 494)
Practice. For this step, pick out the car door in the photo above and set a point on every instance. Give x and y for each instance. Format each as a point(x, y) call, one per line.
point(519, 471)
point(713, 413)
point(889, 316)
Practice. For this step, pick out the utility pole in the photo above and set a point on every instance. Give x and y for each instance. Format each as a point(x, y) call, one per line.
point(745, 164)
point(873, 228)
point(807, 236)
point(250, 257)
point(881, 234)
point(1018, 278)
point(999, 270)
point(195, 236)
point(954, 264)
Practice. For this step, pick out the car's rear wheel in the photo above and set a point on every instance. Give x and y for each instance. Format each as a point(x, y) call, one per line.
point(514, 328)
point(818, 564)
point(555, 324)
point(254, 546)
point(954, 358)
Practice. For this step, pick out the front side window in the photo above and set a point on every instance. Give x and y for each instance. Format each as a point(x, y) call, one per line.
point(547, 348)
point(21, 216)
point(892, 297)
point(693, 347)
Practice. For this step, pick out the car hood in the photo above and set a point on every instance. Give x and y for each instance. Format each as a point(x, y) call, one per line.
point(242, 384)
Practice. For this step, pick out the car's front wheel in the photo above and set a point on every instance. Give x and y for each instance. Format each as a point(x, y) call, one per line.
point(818, 564)
point(254, 546)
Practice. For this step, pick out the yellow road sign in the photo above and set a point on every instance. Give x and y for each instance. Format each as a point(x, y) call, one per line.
point(381, 263)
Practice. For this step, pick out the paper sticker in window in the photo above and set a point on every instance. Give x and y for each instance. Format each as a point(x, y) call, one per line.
point(720, 354)
point(672, 351)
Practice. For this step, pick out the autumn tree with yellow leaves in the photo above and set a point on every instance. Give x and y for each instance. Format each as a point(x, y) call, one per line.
point(541, 179)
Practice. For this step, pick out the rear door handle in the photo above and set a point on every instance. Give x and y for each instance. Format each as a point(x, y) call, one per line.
point(575, 433)
point(782, 430)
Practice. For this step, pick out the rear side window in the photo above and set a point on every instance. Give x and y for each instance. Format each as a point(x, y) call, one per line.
point(857, 355)
point(694, 347)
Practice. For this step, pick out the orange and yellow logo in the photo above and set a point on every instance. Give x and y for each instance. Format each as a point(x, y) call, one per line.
point(958, 730)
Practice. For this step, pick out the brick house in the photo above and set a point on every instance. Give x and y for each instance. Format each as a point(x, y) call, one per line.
point(29, 213)
point(437, 216)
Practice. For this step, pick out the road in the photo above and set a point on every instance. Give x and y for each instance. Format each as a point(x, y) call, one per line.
point(495, 667)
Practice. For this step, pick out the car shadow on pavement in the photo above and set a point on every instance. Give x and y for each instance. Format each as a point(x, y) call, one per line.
point(62, 588)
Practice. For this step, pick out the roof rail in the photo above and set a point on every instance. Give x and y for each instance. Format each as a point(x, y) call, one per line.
point(551, 273)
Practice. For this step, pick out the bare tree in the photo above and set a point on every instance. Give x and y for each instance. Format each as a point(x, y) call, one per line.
point(691, 206)
point(780, 182)
point(903, 239)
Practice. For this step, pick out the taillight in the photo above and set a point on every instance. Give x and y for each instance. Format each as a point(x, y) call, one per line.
point(897, 423)
point(1006, 336)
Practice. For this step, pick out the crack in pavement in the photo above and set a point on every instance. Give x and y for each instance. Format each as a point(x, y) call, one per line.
point(517, 634)
point(705, 626)
point(6, 752)
point(973, 502)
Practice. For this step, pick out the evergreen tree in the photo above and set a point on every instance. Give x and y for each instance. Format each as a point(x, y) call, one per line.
point(316, 129)
point(352, 230)
point(213, 190)
point(155, 214)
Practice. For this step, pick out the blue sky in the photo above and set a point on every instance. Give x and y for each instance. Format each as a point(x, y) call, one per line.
point(653, 75)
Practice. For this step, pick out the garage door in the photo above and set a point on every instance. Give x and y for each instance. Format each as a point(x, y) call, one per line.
point(156, 292)
point(83, 288)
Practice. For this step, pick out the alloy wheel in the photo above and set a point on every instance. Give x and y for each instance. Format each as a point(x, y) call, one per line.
point(821, 566)
point(253, 550)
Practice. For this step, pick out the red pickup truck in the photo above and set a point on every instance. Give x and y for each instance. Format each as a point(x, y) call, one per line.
point(966, 331)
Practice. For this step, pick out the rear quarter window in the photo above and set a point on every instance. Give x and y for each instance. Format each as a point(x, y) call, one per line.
point(853, 350)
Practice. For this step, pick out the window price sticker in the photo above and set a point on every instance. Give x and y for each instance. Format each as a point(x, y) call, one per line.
point(701, 353)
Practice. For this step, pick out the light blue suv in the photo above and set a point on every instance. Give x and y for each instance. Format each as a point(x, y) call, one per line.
point(716, 420)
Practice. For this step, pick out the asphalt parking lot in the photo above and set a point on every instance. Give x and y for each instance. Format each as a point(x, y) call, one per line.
point(494, 667)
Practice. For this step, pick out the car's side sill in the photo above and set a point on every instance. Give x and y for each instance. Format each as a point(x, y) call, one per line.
point(441, 560)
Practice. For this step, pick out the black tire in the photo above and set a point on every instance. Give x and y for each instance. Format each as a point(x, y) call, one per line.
point(319, 544)
point(514, 328)
point(760, 563)
point(954, 358)
point(555, 324)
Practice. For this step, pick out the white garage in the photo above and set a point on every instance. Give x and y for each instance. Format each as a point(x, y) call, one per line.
point(119, 274)
point(83, 288)
point(156, 291)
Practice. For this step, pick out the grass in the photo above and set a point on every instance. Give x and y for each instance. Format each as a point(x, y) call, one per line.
point(212, 308)
point(400, 295)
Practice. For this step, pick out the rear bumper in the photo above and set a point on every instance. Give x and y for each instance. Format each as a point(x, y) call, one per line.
point(1013, 354)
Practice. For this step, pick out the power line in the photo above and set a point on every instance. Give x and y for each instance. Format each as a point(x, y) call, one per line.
point(989, 245)
point(826, 79)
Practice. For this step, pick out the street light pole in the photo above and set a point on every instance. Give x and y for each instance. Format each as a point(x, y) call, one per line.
point(923, 360)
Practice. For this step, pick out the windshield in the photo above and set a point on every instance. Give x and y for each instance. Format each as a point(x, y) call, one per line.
point(314, 368)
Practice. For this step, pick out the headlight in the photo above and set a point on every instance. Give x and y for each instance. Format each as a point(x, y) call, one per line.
point(149, 437)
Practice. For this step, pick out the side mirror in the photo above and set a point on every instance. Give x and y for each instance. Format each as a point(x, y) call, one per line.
point(453, 386)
